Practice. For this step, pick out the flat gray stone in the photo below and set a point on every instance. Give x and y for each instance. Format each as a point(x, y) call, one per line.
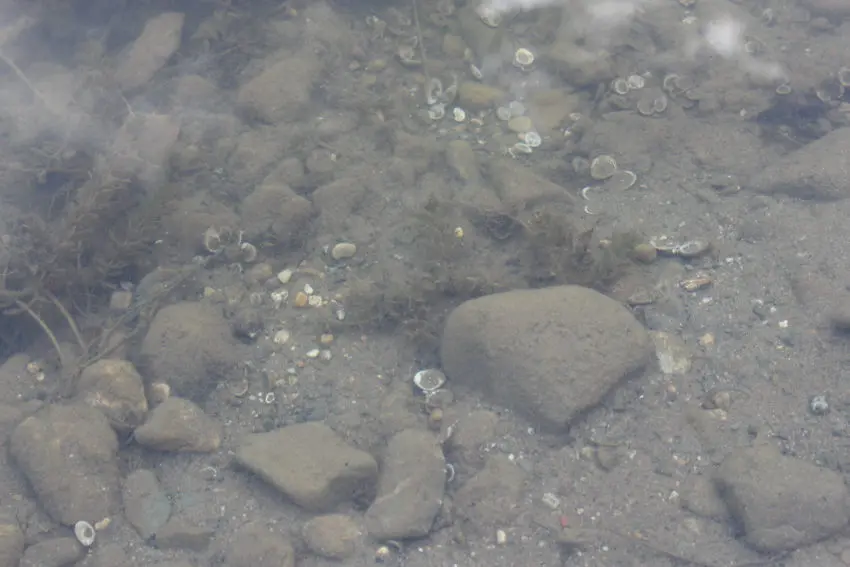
point(781, 502)
point(817, 171)
point(410, 488)
point(310, 464)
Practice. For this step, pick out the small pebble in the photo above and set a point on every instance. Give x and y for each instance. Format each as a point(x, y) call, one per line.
point(520, 124)
point(301, 299)
point(644, 253)
point(312, 353)
point(284, 276)
point(282, 337)
point(343, 250)
point(326, 339)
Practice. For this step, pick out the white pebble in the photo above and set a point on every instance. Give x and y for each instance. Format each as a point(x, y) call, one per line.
point(284, 276)
point(343, 250)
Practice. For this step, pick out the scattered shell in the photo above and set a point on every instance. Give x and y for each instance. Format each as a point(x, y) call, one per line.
point(521, 148)
point(645, 106)
point(315, 301)
point(692, 248)
point(783, 89)
point(278, 297)
point(503, 113)
point(844, 76)
point(696, 283)
point(635, 82)
point(102, 524)
point(343, 250)
point(659, 103)
point(212, 241)
point(437, 111)
point(450, 93)
point(669, 83)
point(475, 71)
point(668, 248)
point(249, 252)
point(532, 139)
point(282, 337)
point(819, 405)
point(603, 167)
point(433, 91)
point(621, 180)
point(312, 353)
point(489, 15)
point(84, 533)
point(429, 380)
point(458, 114)
point(523, 58)
point(308, 289)
point(620, 86)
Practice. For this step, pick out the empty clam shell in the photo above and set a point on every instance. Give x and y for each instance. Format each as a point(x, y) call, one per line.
point(620, 86)
point(532, 139)
point(635, 82)
point(523, 58)
point(692, 248)
point(429, 380)
point(249, 252)
point(433, 91)
point(603, 167)
point(621, 180)
point(212, 240)
point(84, 532)
point(437, 111)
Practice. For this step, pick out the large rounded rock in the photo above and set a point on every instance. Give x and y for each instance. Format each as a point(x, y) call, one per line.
point(69, 456)
point(549, 354)
point(189, 347)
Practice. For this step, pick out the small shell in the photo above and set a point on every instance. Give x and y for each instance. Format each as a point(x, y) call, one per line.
point(621, 180)
point(429, 380)
point(635, 82)
point(523, 58)
point(521, 148)
point(669, 83)
point(458, 114)
point(659, 103)
point(475, 71)
point(646, 106)
point(532, 139)
point(212, 241)
point(620, 86)
point(692, 248)
point(249, 252)
point(84, 533)
point(603, 167)
point(437, 111)
point(783, 89)
point(433, 91)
